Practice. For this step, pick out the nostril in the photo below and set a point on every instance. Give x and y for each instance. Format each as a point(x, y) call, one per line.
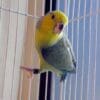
point(61, 26)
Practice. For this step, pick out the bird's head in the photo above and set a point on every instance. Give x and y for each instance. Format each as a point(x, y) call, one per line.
point(51, 26)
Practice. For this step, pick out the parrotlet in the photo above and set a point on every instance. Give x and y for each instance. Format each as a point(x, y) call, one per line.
point(53, 47)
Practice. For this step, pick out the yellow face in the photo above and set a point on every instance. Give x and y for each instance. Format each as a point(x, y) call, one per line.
point(50, 28)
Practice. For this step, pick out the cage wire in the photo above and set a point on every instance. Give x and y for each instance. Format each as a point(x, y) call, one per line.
point(83, 32)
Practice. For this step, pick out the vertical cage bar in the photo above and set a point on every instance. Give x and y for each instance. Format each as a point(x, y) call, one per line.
point(5, 95)
point(53, 88)
point(30, 81)
point(95, 64)
point(65, 6)
point(58, 4)
point(76, 77)
point(46, 86)
point(21, 80)
point(61, 91)
point(68, 10)
point(89, 51)
point(21, 83)
point(0, 11)
point(64, 87)
point(43, 7)
point(13, 94)
point(50, 5)
point(72, 38)
point(2, 80)
point(65, 35)
point(65, 11)
point(70, 80)
point(83, 55)
point(68, 6)
point(29, 93)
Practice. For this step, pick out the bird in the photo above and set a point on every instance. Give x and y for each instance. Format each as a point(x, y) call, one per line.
point(54, 48)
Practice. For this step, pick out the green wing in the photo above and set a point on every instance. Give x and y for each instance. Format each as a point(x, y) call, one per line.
point(60, 55)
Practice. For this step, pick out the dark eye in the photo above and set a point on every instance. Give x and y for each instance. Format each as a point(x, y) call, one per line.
point(53, 16)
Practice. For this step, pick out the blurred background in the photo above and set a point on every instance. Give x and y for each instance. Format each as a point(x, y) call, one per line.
point(17, 28)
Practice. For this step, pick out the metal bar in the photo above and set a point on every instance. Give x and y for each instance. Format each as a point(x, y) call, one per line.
point(30, 81)
point(70, 87)
point(72, 38)
point(61, 91)
point(46, 87)
point(65, 6)
point(53, 88)
point(29, 93)
point(22, 72)
point(18, 12)
point(21, 82)
point(65, 11)
point(50, 5)
point(64, 87)
point(15, 53)
point(67, 26)
point(0, 38)
point(58, 4)
point(37, 17)
point(4, 94)
point(87, 15)
point(83, 54)
point(95, 64)
point(89, 51)
point(76, 77)
point(68, 6)
point(65, 35)
point(43, 8)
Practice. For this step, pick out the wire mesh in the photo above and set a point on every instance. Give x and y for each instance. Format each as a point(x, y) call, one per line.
point(37, 17)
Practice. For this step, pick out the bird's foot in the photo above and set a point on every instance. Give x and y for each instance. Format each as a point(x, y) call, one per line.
point(30, 71)
point(63, 77)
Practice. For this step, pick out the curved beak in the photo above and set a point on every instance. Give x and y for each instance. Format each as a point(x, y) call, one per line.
point(58, 27)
